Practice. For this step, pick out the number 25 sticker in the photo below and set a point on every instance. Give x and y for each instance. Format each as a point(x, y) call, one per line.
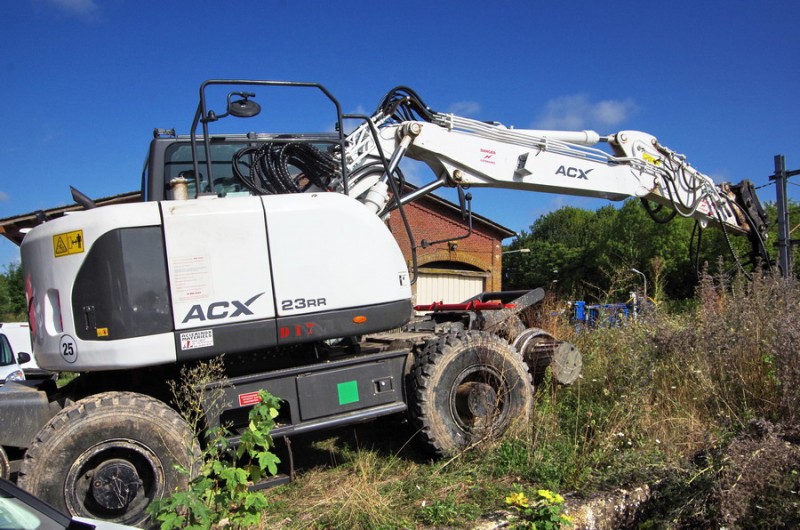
point(68, 349)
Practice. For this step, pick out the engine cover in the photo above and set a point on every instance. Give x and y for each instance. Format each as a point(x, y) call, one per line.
point(152, 283)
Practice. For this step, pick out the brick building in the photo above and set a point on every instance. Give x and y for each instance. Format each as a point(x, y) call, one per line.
point(456, 269)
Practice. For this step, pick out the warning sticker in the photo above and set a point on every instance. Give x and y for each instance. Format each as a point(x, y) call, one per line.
point(68, 243)
point(197, 339)
point(251, 398)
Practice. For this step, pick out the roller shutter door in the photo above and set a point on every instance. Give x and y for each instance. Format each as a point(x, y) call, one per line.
point(447, 287)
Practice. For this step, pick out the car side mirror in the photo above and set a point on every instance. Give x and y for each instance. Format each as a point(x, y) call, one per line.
point(23, 357)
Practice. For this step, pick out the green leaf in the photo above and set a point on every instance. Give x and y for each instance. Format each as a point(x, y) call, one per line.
point(269, 461)
point(256, 501)
point(171, 520)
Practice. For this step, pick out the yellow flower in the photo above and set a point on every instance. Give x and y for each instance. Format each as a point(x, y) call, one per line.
point(518, 499)
point(549, 496)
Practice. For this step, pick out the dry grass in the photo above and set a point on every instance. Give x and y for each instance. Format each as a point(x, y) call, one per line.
point(350, 496)
point(670, 398)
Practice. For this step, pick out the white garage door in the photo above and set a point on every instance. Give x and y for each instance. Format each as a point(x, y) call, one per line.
point(449, 288)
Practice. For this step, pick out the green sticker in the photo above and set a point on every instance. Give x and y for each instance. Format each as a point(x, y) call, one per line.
point(348, 392)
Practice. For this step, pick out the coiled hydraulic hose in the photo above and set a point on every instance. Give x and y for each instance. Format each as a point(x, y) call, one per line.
point(268, 168)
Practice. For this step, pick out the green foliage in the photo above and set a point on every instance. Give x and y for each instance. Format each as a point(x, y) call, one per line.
point(543, 513)
point(563, 247)
point(219, 494)
point(671, 400)
point(590, 255)
point(12, 294)
point(447, 512)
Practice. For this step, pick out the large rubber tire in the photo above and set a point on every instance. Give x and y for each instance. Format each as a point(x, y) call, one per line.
point(108, 456)
point(468, 386)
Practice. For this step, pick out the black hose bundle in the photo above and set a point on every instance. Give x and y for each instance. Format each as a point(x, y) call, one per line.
point(268, 168)
point(403, 104)
point(653, 212)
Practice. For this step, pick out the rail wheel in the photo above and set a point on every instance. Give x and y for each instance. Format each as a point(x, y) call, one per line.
point(540, 349)
point(109, 456)
point(468, 386)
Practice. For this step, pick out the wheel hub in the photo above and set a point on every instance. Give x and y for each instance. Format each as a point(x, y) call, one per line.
point(115, 484)
point(114, 480)
point(479, 400)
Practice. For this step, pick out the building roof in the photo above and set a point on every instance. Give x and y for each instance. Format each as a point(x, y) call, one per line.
point(14, 228)
point(444, 204)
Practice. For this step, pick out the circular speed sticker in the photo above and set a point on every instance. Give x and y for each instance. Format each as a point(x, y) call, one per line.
point(68, 349)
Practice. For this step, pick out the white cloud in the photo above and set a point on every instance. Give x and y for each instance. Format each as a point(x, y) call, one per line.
point(86, 9)
point(467, 109)
point(3, 196)
point(578, 111)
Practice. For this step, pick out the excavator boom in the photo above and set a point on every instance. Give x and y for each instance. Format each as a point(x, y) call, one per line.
point(470, 153)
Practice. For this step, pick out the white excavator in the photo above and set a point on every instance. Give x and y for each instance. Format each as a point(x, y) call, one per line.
point(272, 249)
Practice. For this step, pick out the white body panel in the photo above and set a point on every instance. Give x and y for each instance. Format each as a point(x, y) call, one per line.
point(50, 281)
point(321, 252)
point(217, 254)
point(329, 247)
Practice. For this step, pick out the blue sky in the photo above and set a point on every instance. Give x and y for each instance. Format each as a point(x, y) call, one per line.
point(84, 82)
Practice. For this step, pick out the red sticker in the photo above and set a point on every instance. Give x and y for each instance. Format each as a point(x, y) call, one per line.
point(251, 398)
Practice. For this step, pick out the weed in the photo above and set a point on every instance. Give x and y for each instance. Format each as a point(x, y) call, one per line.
point(447, 512)
point(667, 400)
point(544, 511)
point(219, 495)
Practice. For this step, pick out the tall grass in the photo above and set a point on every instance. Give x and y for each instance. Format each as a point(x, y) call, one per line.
point(703, 403)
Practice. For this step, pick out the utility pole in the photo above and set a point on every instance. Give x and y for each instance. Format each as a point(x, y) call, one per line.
point(784, 243)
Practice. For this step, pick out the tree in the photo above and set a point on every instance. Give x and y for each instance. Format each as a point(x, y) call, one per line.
point(591, 254)
point(564, 246)
point(12, 293)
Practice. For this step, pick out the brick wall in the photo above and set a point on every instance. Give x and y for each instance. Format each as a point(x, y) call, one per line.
point(431, 220)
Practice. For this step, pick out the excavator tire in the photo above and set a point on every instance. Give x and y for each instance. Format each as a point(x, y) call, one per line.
point(468, 386)
point(109, 455)
point(541, 350)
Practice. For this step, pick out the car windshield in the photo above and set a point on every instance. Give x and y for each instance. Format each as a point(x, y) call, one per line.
point(16, 515)
point(6, 355)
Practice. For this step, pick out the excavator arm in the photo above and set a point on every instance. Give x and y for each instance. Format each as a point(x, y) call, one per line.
point(470, 153)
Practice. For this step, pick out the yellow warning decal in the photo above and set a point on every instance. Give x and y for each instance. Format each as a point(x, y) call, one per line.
point(650, 158)
point(68, 243)
point(102, 332)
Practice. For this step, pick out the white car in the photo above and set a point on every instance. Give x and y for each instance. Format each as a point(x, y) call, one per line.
point(19, 510)
point(15, 350)
point(9, 367)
